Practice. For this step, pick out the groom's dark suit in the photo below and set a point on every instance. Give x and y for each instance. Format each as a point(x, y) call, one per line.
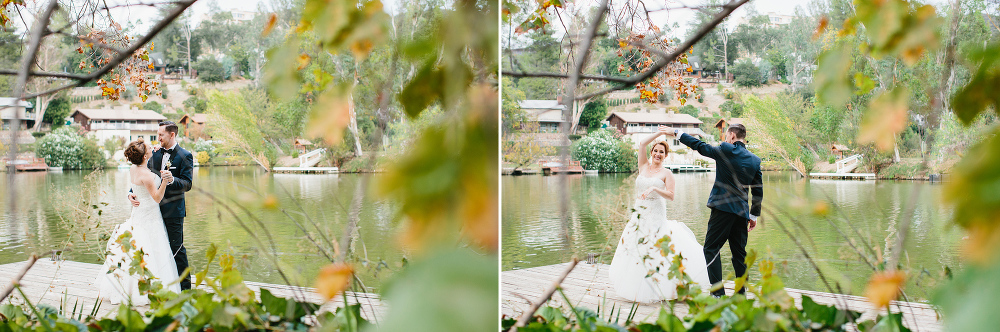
point(172, 206)
point(737, 173)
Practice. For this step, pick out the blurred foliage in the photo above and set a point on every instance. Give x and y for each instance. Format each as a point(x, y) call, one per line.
point(241, 118)
point(768, 307)
point(445, 183)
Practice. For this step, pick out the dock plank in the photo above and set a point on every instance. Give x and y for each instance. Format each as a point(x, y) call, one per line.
point(588, 286)
point(67, 283)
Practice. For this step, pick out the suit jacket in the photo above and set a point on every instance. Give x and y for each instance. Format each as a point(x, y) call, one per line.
point(182, 162)
point(737, 172)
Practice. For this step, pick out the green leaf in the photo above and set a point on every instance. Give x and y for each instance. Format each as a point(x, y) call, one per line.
point(983, 90)
point(832, 85)
point(863, 84)
point(669, 322)
point(451, 290)
point(130, 319)
point(274, 305)
point(423, 90)
point(818, 313)
point(281, 72)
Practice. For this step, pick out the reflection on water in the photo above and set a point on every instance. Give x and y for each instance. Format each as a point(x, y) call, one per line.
point(316, 204)
point(862, 213)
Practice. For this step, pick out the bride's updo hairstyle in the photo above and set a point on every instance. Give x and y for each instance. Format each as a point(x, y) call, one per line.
point(135, 152)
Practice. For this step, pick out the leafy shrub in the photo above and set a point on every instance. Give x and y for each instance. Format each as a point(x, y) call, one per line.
point(153, 106)
point(832, 160)
point(57, 111)
point(65, 148)
point(733, 108)
point(202, 157)
point(689, 110)
point(210, 70)
point(198, 105)
point(593, 113)
point(605, 151)
point(747, 75)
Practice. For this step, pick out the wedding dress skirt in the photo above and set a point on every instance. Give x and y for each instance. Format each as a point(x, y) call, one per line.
point(639, 269)
point(149, 234)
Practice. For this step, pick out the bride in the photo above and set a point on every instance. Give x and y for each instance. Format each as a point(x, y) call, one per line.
point(639, 270)
point(147, 233)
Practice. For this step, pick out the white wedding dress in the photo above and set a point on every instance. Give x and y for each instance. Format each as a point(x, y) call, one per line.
point(639, 270)
point(149, 234)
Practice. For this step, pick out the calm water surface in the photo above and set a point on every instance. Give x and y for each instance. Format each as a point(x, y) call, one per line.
point(863, 212)
point(46, 202)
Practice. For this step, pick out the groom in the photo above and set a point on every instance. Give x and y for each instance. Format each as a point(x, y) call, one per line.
point(175, 165)
point(737, 171)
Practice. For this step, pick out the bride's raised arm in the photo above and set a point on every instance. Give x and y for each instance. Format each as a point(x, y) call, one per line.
point(155, 191)
point(643, 154)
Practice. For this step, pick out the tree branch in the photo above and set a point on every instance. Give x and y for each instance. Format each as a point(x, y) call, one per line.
point(9, 72)
point(727, 9)
point(181, 6)
point(17, 279)
point(557, 75)
point(526, 316)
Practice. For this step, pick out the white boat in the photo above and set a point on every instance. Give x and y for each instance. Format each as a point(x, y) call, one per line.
point(590, 172)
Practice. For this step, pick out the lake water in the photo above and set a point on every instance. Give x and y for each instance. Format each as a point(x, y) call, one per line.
point(46, 203)
point(864, 213)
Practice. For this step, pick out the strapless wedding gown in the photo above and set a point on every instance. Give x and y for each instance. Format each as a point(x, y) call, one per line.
point(149, 234)
point(639, 270)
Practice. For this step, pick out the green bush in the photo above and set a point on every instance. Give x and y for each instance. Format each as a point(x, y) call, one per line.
point(65, 148)
point(747, 75)
point(832, 160)
point(57, 111)
point(689, 110)
point(210, 70)
point(153, 106)
point(606, 151)
point(734, 109)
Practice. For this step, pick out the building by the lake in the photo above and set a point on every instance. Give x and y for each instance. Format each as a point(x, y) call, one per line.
point(638, 126)
point(548, 114)
point(13, 108)
point(130, 124)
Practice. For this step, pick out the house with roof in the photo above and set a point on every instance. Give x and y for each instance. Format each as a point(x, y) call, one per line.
point(722, 125)
point(130, 124)
point(638, 126)
point(194, 125)
point(547, 113)
point(12, 109)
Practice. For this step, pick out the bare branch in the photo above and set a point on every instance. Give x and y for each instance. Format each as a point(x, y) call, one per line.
point(17, 279)
point(526, 316)
point(9, 72)
point(556, 75)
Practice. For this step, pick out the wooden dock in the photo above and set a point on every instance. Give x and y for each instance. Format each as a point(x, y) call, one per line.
point(588, 286)
point(66, 283)
point(843, 176)
point(306, 170)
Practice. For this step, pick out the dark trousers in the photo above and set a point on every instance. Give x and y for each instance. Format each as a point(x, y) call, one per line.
point(175, 233)
point(722, 227)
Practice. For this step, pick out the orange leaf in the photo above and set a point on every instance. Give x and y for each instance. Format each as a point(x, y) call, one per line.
point(271, 20)
point(884, 287)
point(823, 22)
point(330, 115)
point(333, 279)
point(303, 60)
point(886, 117)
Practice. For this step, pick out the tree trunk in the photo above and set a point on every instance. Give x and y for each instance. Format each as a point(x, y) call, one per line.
point(41, 104)
point(353, 126)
